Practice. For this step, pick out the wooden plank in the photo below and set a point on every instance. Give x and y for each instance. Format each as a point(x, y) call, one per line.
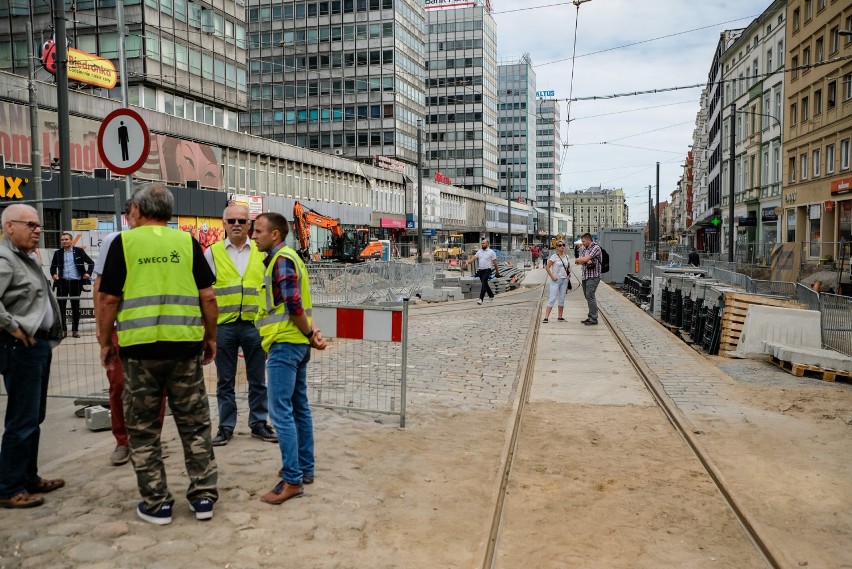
point(746, 299)
point(799, 370)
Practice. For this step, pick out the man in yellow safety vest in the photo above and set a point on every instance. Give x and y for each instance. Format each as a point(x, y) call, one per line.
point(288, 333)
point(238, 267)
point(158, 287)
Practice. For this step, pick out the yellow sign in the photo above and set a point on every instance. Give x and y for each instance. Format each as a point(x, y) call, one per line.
point(91, 69)
point(10, 188)
point(84, 224)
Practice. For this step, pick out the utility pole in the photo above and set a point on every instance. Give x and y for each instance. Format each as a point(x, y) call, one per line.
point(419, 191)
point(509, 201)
point(122, 66)
point(62, 113)
point(658, 211)
point(34, 131)
point(573, 217)
point(731, 179)
point(650, 218)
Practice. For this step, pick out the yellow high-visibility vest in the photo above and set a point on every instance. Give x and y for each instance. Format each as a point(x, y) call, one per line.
point(236, 295)
point(272, 321)
point(160, 300)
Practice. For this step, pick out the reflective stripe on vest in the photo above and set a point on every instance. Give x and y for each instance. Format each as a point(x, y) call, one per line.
point(236, 295)
point(160, 300)
point(273, 322)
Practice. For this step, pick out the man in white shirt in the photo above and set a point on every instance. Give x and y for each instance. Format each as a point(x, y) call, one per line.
point(485, 259)
point(238, 266)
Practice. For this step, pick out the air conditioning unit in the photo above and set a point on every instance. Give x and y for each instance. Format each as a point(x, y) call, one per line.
point(193, 184)
point(101, 173)
point(338, 152)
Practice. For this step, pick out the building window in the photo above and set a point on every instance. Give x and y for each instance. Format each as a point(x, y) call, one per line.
point(793, 113)
point(791, 167)
point(809, 10)
point(797, 19)
point(781, 57)
point(844, 154)
point(765, 115)
point(820, 5)
point(791, 226)
point(833, 37)
point(803, 162)
point(820, 50)
point(806, 59)
point(778, 105)
point(847, 28)
point(832, 94)
point(816, 158)
point(794, 72)
point(847, 86)
point(805, 109)
point(829, 159)
point(776, 178)
point(817, 102)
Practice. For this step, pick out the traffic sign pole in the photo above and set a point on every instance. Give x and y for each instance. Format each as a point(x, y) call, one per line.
point(122, 67)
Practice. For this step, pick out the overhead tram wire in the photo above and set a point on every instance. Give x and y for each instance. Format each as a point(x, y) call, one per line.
point(646, 41)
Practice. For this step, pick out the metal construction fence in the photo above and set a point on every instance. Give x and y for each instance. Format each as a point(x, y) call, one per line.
point(370, 283)
point(363, 368)
point(836, 319)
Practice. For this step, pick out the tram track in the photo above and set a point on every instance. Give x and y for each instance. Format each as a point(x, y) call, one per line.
point(661, 400)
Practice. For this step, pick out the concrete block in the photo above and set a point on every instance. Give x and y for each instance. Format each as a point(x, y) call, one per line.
point(97, 418)
point(826, 359)
point(787, 326)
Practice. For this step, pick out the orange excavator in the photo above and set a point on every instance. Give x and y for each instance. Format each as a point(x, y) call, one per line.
point(344, 245)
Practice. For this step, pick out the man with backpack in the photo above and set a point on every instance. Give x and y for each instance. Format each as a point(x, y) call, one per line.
point(591, 257)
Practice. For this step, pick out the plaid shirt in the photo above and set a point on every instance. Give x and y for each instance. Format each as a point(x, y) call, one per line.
point(592, 269)
point(286, 281)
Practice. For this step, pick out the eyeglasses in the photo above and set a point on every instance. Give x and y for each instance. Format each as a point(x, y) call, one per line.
point(233, 221)
point(31, 225)
point(560, 244)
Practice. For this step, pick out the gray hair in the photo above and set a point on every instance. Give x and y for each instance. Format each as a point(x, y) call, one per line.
point(13, 209)
point(154, 201)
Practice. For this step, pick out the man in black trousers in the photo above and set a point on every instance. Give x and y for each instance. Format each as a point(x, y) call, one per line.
point(70, 269)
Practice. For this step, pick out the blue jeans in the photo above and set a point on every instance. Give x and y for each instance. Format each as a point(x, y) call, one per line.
point(26, 375)
point(558, 288)
point(229, 338)
point(287, 369)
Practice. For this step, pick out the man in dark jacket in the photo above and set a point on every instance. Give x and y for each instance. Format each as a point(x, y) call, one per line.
point(70, 269)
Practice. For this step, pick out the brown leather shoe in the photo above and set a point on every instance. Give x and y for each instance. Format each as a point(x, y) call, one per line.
point(22, 500)
point(45, 485)
point(283, 492)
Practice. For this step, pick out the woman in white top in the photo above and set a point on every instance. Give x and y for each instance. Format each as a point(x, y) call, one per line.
point(557, 269)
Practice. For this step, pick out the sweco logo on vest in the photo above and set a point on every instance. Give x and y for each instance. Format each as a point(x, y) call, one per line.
point(174, 257)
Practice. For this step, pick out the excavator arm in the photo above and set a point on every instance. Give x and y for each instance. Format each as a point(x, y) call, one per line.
point(303, 218)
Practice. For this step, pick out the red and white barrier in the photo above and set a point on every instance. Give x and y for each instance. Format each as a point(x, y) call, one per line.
point(359, 323)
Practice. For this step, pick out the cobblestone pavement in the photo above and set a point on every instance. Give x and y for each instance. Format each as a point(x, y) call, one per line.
point(468, 355)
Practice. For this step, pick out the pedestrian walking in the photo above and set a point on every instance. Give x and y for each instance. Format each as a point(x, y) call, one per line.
point(535, 251)
point(158, 287)
point(288, 334)
point(485, 259)
point(591, 259)
point(558, 267)
point(30, 327)
point(238, 267)
point(70, 269)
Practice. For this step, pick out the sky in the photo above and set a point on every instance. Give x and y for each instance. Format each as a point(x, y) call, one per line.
point(545, 30)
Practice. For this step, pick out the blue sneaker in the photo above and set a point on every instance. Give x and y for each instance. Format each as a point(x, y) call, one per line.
point(203, 508)
point(161, 515)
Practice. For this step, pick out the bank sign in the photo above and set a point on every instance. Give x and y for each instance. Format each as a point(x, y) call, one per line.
point(544, 94)
point(437, 4)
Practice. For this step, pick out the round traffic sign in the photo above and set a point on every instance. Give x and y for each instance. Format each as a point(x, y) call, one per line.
point(123, 141)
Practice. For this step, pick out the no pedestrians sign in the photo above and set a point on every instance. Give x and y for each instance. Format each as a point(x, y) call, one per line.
point(123, 141)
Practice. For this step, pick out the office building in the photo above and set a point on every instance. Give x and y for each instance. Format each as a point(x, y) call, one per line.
point(461, 126)
point(517, 129)
point(184, 58)
point(548, 155)
point(341, 76)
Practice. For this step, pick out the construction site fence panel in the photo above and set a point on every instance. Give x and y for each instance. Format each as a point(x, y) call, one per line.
point(836, 322)
point(370, 283)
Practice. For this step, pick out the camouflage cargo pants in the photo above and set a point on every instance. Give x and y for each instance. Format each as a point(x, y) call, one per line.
point(146, 382)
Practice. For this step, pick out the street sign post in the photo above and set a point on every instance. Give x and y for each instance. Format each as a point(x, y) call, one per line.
point(123, 141)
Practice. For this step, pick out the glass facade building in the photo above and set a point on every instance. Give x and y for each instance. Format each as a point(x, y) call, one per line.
point(517, 129)
point(341, 76)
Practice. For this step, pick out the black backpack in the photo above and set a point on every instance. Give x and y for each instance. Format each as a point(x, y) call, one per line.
point(604, 261)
